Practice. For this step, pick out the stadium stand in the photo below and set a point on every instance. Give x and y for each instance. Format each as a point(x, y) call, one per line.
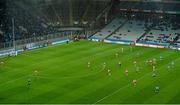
point(131, 31)
point(163, 32)
point(159, 37)
point(176, 43)
point(44, 18)
point(156, 30)
point(2, 18)
point(128, 21)
point(109, 29)
point(145, 5)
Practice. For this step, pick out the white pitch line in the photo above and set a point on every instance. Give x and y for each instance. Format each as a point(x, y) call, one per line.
point(13, 80)
point(118, 90)
point(127, 85)
point(70, 76)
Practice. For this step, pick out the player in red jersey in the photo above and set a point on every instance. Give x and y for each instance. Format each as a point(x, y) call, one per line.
point(150, 61)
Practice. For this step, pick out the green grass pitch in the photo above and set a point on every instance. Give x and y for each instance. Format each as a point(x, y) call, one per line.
point(62, 75)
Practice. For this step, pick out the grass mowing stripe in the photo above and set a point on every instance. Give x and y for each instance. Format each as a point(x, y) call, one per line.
point(169, 86)
point(110, 95)
point(24, 68)
point(115, 92)
point(104, 86)
point(86, 86)
point(141, 91)
point(71, 82)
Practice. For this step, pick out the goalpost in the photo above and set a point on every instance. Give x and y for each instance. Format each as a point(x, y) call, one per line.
point(14, 52)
